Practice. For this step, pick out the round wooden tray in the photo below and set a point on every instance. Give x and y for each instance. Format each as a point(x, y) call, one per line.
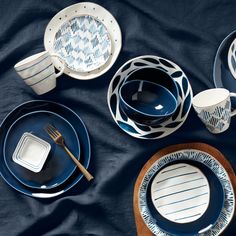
point(142, 229)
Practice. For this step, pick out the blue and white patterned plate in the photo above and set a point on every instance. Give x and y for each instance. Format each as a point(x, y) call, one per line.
point(84, 43)
point(87, 36)
point(208, 161)
point(222, 76)
point(166, 127)
point(232, 58)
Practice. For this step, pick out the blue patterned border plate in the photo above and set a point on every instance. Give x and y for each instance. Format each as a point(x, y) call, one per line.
point(166, 127)
point(198, 156)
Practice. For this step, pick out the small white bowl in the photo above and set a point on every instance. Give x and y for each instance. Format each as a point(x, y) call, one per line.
point(31, 152)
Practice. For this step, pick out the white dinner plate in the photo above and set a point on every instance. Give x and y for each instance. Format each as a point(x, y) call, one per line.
point(87, 37)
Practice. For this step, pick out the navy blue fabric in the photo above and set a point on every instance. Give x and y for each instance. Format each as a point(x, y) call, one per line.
point(187, 32)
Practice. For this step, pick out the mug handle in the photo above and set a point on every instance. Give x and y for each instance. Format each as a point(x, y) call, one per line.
point(63, 64)
point(233, 113)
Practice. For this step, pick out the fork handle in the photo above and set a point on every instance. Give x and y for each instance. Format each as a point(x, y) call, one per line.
point(87, 175)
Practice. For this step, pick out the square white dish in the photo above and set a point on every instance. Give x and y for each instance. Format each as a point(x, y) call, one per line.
point(31, 152)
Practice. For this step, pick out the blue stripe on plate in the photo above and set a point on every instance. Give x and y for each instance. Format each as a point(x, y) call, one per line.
point(187, 217)
point(41, 80)
point(185, 190)
point(178, 184)
point(38, 72)
point(185, 209)
point(32, 65)
point(190, 173)
point(183, 200)
point(176, 168)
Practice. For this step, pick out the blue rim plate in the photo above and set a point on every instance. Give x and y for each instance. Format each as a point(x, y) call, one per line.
point(80, 129)
point(58, 167)
point(199, 158)
point(166, 127)
point(221, 72)
point(206, 221)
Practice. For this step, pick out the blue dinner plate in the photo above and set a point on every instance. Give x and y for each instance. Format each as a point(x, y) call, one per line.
point(221, 72)
point(206, 221)
point(80, 129)
point(58, 166)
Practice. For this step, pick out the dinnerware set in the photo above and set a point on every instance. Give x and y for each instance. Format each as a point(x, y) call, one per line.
point(45, 146)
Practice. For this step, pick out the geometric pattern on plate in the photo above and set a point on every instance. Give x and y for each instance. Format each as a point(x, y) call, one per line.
point(82, 9)
point(232, 58)
point(227, 211)
point(164, 128)
point(217, 120)
point(180, 193)
point(84, 43)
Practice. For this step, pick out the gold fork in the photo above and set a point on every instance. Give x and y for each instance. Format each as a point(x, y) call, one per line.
point(58, 139)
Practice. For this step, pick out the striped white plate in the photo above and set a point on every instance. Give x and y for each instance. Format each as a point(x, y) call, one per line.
point(180, 193)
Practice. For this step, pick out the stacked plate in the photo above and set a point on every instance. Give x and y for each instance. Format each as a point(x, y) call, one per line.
point(224, 70)
point(87, 37)
point(167, 126)
point(59, 173)
point(186, 192)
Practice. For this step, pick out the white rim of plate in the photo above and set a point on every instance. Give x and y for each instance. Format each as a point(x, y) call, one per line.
point(165, 127)
point(82, 9)
point(225, 216)
point(230, 55)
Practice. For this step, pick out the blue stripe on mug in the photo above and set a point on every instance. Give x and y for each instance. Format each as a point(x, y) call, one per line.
point(31, 65)
point(41, 80)
point(30, 77)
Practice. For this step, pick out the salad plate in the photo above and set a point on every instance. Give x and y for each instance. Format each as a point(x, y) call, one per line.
point(80, 129)
point(223, 78)
point(164, 128)
point(187, 208)
point(217, 215)
point(87, 37)
point(58, 167)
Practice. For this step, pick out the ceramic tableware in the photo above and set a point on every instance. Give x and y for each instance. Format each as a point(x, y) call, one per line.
point(87, 37)
point(87, 41)
point(58, 167)
point(76, 123)
point(213, 107)
point(213, 219)
point(155, 75)
point(31, 152)
point(181, 193)
point(232, 58)
point(186, 209)
point(38, 71)
point(164, 128)
point(146, 102)
point(222, 76)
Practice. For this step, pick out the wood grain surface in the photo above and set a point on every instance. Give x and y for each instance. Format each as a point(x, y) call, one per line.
point(142, 229)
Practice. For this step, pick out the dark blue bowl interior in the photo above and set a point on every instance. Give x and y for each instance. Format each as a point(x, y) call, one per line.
point(148, 98)
point(58, 166)
point(208, 218)
point(155, 75)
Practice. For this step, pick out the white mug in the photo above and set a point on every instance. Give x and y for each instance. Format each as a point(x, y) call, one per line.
point(213, 107)
point(38, 71)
